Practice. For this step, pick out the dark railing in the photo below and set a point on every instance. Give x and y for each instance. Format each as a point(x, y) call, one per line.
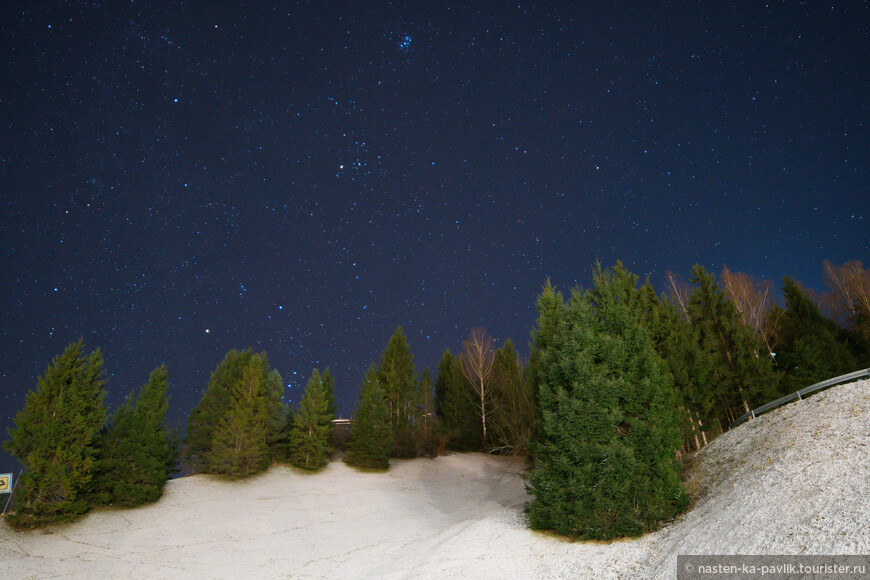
point(798, 395)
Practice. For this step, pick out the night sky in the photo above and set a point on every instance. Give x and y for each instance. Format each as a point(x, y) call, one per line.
point(301, 178)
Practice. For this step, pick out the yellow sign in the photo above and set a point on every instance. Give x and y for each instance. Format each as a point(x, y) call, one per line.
point(5, 483)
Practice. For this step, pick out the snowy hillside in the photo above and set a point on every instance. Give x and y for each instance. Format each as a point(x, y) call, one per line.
point(794, 481)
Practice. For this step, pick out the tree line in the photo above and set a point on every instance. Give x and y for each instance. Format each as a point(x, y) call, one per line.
point(619, 381)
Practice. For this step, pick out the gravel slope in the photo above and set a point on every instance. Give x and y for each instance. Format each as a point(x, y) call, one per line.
point(794, 481)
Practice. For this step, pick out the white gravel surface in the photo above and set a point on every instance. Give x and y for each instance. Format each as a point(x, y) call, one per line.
point(795, 481)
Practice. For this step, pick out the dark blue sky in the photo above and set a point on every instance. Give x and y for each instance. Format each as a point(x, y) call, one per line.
point(301, 178)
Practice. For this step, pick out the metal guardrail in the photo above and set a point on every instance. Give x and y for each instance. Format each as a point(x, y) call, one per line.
point(798, 395)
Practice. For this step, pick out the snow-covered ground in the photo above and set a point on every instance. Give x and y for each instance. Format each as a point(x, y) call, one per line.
point(795, 481)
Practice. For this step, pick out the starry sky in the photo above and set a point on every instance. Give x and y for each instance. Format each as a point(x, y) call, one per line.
point(177, 180)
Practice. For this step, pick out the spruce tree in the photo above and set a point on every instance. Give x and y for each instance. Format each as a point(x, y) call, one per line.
point(742, 375)
point(54, 438)
point(608, 430)
point(137, 452)
point(429, 441)
point(456, 412)
point(238, 423)
point(329, 389)
point(213, 404)
point(809, 346)
point(513, 408)
point(371, 438)
point(273, 392)
point(397, 376)
point(240, 442)
point(309, 427)
point(677, 342)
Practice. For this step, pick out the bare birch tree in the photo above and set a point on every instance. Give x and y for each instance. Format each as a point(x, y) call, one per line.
point(679, 292)
point(850, 283)
point(752, 298)
point(476, 361)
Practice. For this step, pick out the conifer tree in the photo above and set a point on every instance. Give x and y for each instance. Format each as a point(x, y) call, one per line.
point(277, 412)
point(426, 422)
point(54, 437)
point(809, 346)
point(453, 395)
point(240, 442)
point(677, 342)
point(371, 439)
point(309, 427)
point(513, 407)
point(213, 404)
point(331, 403)
point(137, 452)
point(742, 375)
point(240, 418)
point(605, 440)
point(397, 376)
point(549, 304)
point(329, 389)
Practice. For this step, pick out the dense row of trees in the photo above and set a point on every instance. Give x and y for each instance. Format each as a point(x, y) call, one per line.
point(74, 459)
point(618, 379)
point(623, 378)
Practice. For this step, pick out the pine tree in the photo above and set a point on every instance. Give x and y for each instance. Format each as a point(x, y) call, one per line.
point(54, 437)
point(238, 423)
point(453, 396)
point(309, 427)
point(608, 429)
point(371, 439)
point(137, 452)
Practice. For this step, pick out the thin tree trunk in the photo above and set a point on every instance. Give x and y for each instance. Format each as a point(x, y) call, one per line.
point(483, 410)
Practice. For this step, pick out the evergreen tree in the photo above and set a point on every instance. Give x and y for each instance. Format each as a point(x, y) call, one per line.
point(607, 432)
point(54, 437)
point(429, 441)
point(240, 443)
point(809, 347)
point(239, 420)
point(213, 404)
point(331, 406)
point(137, 452)
point(742, 375)
point(277, 412)
point(397, 376)
point(371, 439)
point(453, 395)
point(513, 407)
point(329, 389)
point(549, 304)
point(678, 343)
point(310, 426)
